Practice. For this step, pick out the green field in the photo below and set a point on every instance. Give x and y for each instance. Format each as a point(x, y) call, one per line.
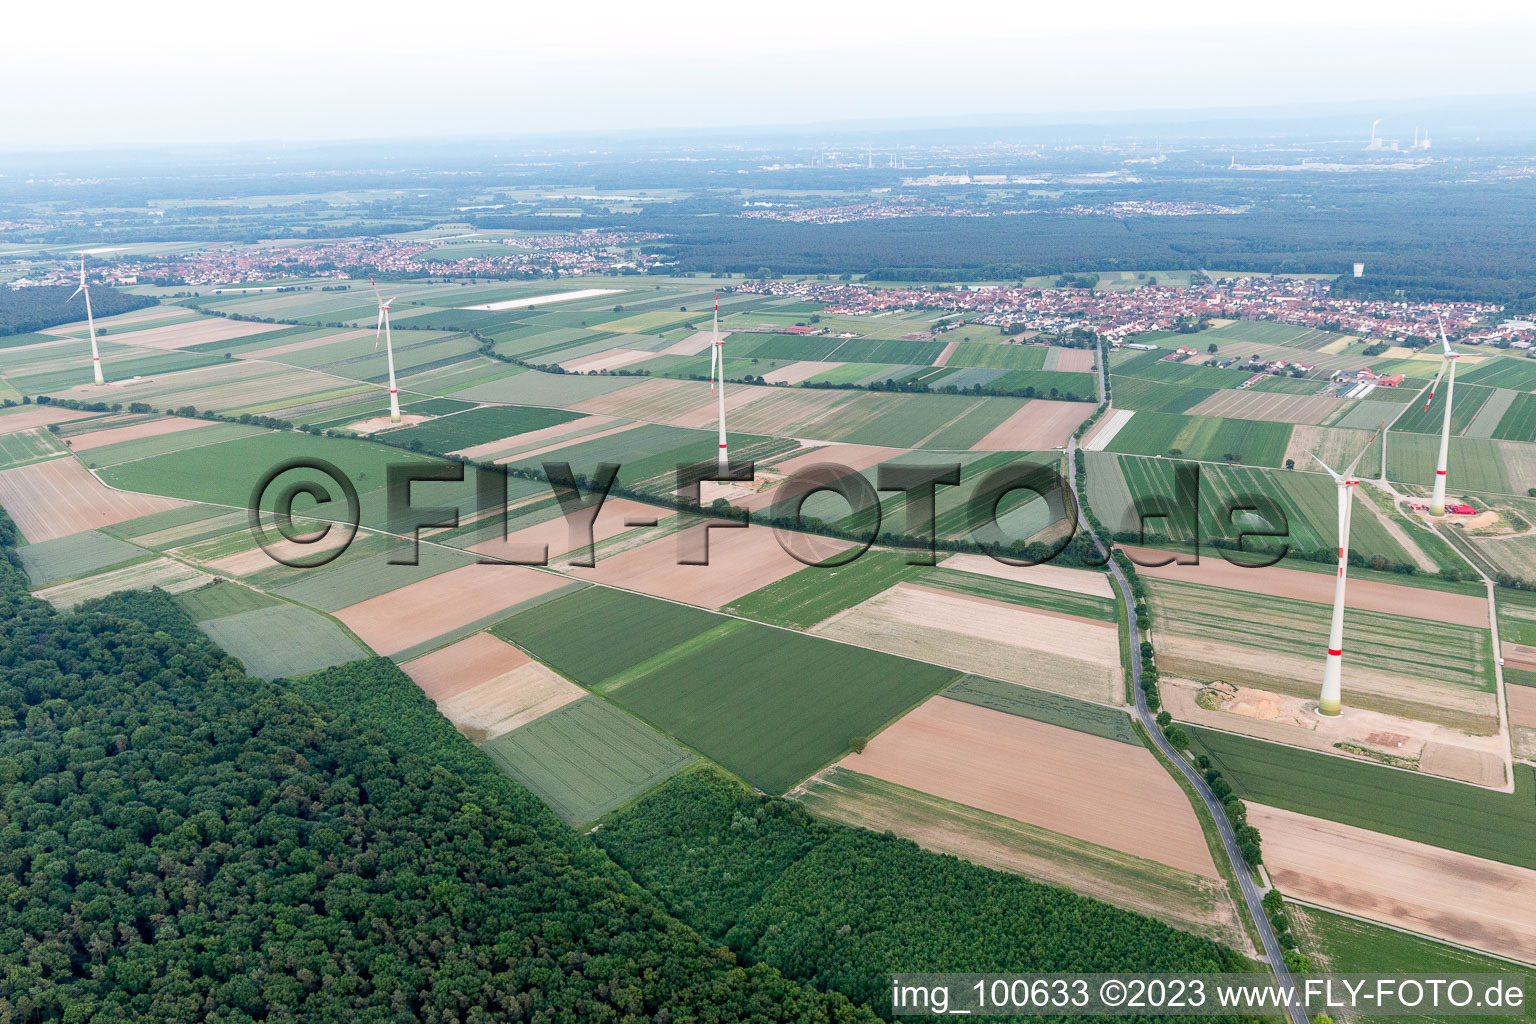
point(1203, 438)
point(586, 758)
point(1475, 463)
point(1267, 333)
point(221, 600)
point(774, 705)
point(1155, 396)
point(27, 446)
point(162, 444)
point(1519, 421)
point(282, 640)
point(1003, 357)
point(80, 553)
point(1453, 815)
point(1048, 598)
point(1051, 708)
point(1306, 500)
point(1344, 945)
point(595, 633)
point(1416, 419)
point(804, 598)
point(1519, 374)
point(478, 426)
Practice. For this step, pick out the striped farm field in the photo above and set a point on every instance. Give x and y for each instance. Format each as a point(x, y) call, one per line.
point(586, 758)
point(1270, 406)
point(1475, 463)
point(1518, 374)
point(1204, 438)
point(1487, 420)
point(1416, 419)
point(1452, 815)
point(747, 699)
point(171, 576)
point(1270, 333)
point(1138, 393)
point(1519, 422)
point(1006, 357)
point(805, 598)
point(1444, 676)
point(1305, 502)
point(478, 426)
point(23, 446)
point(1052, 650)
point(59, 497)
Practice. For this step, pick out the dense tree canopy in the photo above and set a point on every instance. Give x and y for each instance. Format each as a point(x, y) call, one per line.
point(185, 842)
point(33, 309)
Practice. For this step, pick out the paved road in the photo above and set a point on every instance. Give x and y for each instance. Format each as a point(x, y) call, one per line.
point(1251, 894)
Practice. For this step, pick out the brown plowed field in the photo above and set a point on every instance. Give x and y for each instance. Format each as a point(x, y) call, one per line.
point(403, 618)
point(740, 561)
point(60, 497)
point(1106, 792)
point(487, 687)
point(1422, 888)
point(149, 428)
point(1367, 595)
point(1040, 424)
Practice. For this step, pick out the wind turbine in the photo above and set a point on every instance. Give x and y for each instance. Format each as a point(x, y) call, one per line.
point(90, 320)
point(1333, 667)
point(1437, 503)
point(717, 361)
point(389, 349)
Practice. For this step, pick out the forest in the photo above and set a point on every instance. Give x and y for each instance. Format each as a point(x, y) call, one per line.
point(844, 907)
point(23, 310)
point(186, 842)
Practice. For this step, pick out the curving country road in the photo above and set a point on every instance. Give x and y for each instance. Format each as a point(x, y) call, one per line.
point(1272, 951)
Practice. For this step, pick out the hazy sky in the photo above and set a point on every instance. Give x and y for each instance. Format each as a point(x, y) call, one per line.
point(95, 73)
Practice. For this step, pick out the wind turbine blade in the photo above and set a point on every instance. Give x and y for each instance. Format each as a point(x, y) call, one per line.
point(1337, 478)
point(1445, 345)
point(714, 361)
point(1435, 384)
point(378, 330)
point(1349, 474)
point(72, 294)
point(374, 284)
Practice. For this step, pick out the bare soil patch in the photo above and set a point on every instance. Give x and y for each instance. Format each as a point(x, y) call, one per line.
point(417, 613)
point(1521, 656)
point(693, 344)
point(60, 497)
point(1076, 581)
point(1476, 902)
point(1063, 653)
point(1039, 424)
point(794, 373)
point(613, 359)
point(1522, 705)
point(1074, 360)
point(196, 332)
point(28, 417)
point(740, 561)
point(378, 423)
point(949, 350)
point(533, 438)
point(486, 687)
point(1368, 595)
point(1274, 407)
point(1106, 792)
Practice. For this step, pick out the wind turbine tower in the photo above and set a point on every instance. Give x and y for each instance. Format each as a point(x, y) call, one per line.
point(1447, 360)
point(389, 349)
point(717, 362)
point(1331, 703)
point(90, 320)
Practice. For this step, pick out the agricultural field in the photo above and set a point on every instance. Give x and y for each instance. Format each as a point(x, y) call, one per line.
point(774, 723)
point(59, 497)
point(24, 446)
point(478, 426)
point(1271, 642)
point(1203, 438)
point(1095, 789)
point(486, 687)
point(1450, 815)
point(587, 758)
point(76, 555)
point(1420, 888)
point(1339, 944)
point(1183, 899)
point(282, 639)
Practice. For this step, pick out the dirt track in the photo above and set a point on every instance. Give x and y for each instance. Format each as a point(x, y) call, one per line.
point(1106, 792)
point(1422, 888)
